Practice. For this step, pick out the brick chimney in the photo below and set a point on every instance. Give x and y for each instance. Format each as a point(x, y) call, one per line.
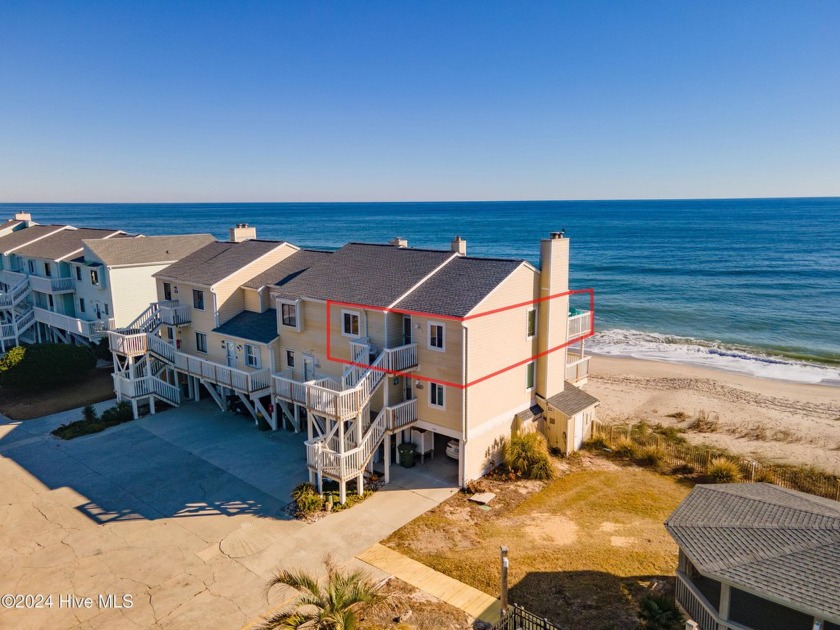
point(242, 232)
point(553, 314)
point(399, 241)
point(459, 246)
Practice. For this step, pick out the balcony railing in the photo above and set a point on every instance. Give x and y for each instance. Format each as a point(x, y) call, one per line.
point(698, 608)
point(172, 313)
point(17, 291)
point(401, 415)
point(577, 367)
point(128, 345)
point(580, 325)
point(52, 285)
point(232, 378)
point(89, 329)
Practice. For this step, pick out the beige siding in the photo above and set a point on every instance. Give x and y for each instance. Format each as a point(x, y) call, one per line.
point(395, 323)
point(255, 300)
point(132, 289)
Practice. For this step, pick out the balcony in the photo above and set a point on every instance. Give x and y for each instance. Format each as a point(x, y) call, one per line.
point(172, 313)
point(231, 378)
point(85, 328)
point(52, 285)
point(131, 345)
point(696, 606)
point(580, 324)
point(577, 367)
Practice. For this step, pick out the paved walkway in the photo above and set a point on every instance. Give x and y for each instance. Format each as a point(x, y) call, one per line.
point(475, 603)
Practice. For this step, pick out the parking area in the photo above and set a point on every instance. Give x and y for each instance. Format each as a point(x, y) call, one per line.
point(183, 510)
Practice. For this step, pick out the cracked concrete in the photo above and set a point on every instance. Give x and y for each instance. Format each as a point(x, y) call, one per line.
point(182, 510)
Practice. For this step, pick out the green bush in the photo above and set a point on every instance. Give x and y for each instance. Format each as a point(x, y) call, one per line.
point(89, 414)
point(626, 448)
point(119, 413)
point(307, 499)
point(43, 366)
point(102, 350)
point(526, 455)
point(660, 613)
point(651, 457)
point(723, 470)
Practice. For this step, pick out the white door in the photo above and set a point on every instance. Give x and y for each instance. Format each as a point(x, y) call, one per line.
point(308, 368)
point(231, 353)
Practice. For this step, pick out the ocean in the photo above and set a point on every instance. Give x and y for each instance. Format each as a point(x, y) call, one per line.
point(747, 285)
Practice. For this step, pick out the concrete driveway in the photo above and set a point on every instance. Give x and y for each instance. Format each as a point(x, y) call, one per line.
point(183, 511)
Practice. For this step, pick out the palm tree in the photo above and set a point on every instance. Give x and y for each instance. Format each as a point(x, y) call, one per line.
point(332, 606)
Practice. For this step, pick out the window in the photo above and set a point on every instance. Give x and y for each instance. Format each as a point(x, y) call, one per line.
point(532, 323)
point(198, 299)
point(201, 342)
point(82, 304)
point(436, 395)
point(530, 372)
point(288, 313)
point(290, 359)
point(167, 291)
point(436, 341)
point(47, 269)
point(31, 264)
point(94, 277)
point(78, 273)
point(349, 323)
point(107, 310)
point(252, 356)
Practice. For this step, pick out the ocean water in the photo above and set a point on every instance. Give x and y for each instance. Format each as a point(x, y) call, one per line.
point(749, 285)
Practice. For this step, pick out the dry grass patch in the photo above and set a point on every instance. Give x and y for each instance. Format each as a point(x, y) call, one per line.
point(407, 608)
point(583, 550)
point(97, 387)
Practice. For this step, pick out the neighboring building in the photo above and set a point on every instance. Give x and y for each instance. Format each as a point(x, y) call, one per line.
point(64, 284)
point(251, 322)
point(754, 556)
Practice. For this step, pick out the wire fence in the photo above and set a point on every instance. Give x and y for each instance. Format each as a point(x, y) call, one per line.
point(653, 448)
point(517, 618)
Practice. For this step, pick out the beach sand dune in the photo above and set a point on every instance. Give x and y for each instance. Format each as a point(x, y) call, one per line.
point(777, 421)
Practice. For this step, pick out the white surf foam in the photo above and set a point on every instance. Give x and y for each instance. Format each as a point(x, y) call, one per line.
point(632, 343)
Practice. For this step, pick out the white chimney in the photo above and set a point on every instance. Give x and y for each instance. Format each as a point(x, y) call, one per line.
point(242, 232)
point(553, 314)
point(399, 241)
point(459, 246)
point(23, 216)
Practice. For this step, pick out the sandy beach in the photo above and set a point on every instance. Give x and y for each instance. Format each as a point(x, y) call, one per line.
point(777, 421)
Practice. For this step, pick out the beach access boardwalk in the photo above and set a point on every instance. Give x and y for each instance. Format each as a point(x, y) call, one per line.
point(472, 601)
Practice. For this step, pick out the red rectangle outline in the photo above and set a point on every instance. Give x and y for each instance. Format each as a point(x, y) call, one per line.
point(331, 303)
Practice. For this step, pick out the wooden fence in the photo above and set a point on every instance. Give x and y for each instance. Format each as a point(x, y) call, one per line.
point(699, 458)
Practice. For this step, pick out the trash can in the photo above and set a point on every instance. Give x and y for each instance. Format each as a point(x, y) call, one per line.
point(408, 454)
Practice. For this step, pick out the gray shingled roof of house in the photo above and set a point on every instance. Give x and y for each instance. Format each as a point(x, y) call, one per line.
point(572, 400)
point(216, 261)
point(534, 411)
point(62, 244)
point(259, 327)
point(19, 238)
point(147, 249)
point(774, 542)
point(288, 268)
point(362, 273)
point(459, 286)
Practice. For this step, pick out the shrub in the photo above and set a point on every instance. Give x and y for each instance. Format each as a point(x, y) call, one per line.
point(660, 613)
point(597, 443)
point(102, 350)
point(626, 448)
point(42, 366)
point(526, 455)
point(89, 414)
point(723, 470)
point(650, 456)
point(119, 413)
point(11, 359)
point(307, 499)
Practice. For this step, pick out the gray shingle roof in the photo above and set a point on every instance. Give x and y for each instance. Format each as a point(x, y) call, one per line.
point(459, 286)
point(534, 411)
point(64, 243)
point(147, 249)
point(216, 261)
point(288, 269)
point(365, 274)
point(572, 400)
point(259, 327)
point(18, 238)
point(772, 541)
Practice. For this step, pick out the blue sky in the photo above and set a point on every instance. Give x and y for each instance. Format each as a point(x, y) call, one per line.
point(345, 101)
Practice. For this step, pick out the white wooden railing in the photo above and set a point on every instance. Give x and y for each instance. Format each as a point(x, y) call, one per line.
point(402, 415)
point(147, 321)
point(580, 325)
point(7, 331)
point(129, 345)
point(232, 378)
point(15, 294)
point(51, 285)
point(12, 278)
point(172, 313)
point(161, 347)
point(146, 386)
point(577, 367)
point(24, 321)
point(348, 464)
point(75, 325)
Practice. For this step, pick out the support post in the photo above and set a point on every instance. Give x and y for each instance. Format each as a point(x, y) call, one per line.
point(360, 482)
point(387, 457)
point(297, 417)
point(342, 491)
point(503, 552)
point(151, 404)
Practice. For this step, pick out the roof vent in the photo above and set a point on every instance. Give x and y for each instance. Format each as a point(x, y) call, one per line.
point(560, 234)
point(459, 246)
point(399, 241)
point(242, 232)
